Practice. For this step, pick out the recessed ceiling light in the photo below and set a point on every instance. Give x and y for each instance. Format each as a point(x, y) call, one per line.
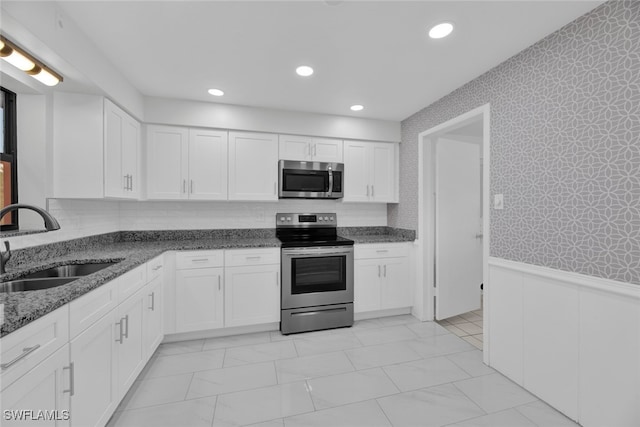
point(357, 107)
point(441, 30)
point(304, 70)
point(216, 92)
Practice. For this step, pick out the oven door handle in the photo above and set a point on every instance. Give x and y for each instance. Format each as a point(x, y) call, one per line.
point(330, 183)
point(316, 251)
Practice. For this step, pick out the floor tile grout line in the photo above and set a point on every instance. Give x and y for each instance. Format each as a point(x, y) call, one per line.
point(382, 409)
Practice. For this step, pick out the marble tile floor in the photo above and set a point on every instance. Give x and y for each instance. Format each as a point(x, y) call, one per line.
point(468, 326)
point(393, 371)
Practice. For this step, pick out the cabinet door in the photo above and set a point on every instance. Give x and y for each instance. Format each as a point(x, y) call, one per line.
point(366, 288)
point(95, 389)
point(383, 172)
point(131, 157)
point(199, 302)
point(356, 172)
point(327, 150)
point(253, 166)
point(252, 295)
point(294, 147)
point(115, 180)
point(395, 292)
point(129, 349)
point(153, 319)
point(44, 388)
point(167, 162)
point(207, 164)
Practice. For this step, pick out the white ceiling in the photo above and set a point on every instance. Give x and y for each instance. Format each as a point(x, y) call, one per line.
point(374, 53)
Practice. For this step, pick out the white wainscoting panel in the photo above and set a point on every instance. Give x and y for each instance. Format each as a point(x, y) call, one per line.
point(506, 322)
point(550, 342)
point(609, 359)
point(579, 346)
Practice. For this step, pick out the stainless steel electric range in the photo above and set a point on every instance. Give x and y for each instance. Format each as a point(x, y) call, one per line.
point(317, 273)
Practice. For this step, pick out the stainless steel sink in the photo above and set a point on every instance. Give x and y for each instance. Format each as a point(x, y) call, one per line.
point(69, 270)
point(34, 284)
point(52, 277)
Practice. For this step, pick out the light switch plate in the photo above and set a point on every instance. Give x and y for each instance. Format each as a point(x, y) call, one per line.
point(498, 201)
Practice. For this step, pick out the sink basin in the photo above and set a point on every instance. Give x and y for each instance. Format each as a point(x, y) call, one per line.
point(69, 270)
point(34, 284)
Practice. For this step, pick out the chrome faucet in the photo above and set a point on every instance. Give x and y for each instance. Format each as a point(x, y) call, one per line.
point(50, 224)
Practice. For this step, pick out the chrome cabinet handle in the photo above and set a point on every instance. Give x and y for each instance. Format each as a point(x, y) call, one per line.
point(121, 339)
point(200, 260)
point(277, 279)
point(153, 301)
point(254, 257)
point(126, 330)
point(71, 389)
point(382, 250)
point(184, 185)
point(157, 267)
point(219, 285)
point(191, 185)
point(25, 352)
point(131, 182)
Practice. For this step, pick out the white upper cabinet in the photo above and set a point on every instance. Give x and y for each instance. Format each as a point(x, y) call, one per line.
point(370, 171)
point(186, 163)
point(207, 164)
point(96, 149)
point(305, 148)
point(253, 166)
point(167, 162)
point(121, 153)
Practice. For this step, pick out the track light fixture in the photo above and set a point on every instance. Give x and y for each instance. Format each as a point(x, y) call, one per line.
point(27, 63)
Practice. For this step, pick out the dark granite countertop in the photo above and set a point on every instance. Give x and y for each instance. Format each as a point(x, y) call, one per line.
point(131, 249)
point(21, 308)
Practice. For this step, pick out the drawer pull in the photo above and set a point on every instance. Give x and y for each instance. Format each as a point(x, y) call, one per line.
point(152, 295)
point(157, 267)
point(126, 330)
point(254, 257)
point(382, 250)
point(71, 389)
point(121, 332)
point(25, 352)
point(200, 260)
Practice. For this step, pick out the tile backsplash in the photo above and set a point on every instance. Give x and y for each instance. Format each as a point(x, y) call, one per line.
point(80, 218)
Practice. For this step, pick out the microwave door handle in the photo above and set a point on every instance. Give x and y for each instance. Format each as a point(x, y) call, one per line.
point(330, 182)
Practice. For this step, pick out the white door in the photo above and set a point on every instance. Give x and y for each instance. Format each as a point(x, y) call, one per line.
point(396, 291)
point(199, 302)
point(153, 331)
point(382, 174)
point(207, 164)
point(253, 166)
point(327, 150)
point(252, 295)
point(356, 172)
point(130, 349)
point(294, 147)
point(131, 157)
point(95, 393)
point(367, 282)
point(115, 181)
point(167, 162)
point(458, 232)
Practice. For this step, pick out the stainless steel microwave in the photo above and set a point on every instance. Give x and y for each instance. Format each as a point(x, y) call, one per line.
point(310, 180)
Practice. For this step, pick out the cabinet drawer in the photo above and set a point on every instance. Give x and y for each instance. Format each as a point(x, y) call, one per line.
point(242, 257)
point(130, 282)
point(87, 309)
point(364, 251)
point(31, 344)
point(199, 259)
point(155, 267)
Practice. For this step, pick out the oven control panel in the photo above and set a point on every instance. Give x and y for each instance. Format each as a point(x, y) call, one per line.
point(306, 220)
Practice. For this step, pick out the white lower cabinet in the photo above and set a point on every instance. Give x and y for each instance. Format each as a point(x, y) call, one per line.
point(199, 300)
point(152, 316)
point(252, 295)
point(44, 391)
point(129, 350)
point(381, 277)
point(95, 388)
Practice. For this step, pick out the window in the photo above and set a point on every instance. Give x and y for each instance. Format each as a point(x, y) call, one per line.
point(8, 159)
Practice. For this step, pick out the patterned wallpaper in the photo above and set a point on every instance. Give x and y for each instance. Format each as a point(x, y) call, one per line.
point(565, 135)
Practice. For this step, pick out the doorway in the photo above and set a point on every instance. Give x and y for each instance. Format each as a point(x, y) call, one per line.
point(454, 220)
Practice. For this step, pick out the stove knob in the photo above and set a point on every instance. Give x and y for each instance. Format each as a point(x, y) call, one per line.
point(281, 218)
point(288, 218)
point(326, 218)
point(331, 218)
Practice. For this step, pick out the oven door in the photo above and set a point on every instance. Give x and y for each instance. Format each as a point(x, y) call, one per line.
point(317, 276)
